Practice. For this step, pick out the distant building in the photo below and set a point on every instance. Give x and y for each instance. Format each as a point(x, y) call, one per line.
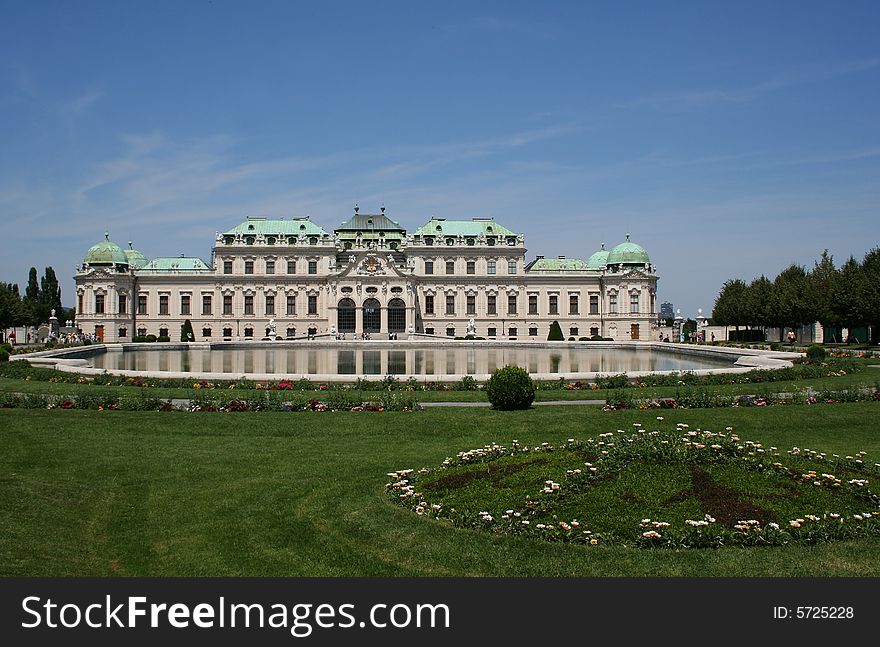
point(667, 311)
point(447, 278)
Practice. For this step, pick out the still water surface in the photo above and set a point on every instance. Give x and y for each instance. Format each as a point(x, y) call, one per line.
point(427, 361)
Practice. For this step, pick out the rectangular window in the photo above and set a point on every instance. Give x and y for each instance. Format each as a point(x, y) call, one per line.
point(313, 267)
point(291, 304)
point(185, 304)
point(79, 303)
point(471, 304)
point(573, 331)
point(429, 304)
point(291, 267)
point(123, 304)
point(429, 267)
point(450, 304)
point(206, 305)
point(206, 332)
point(533, 304)
point(227, 267)
point(163, 304)
point(248, 304)
point(554, 304)
point(227, 304)
point(248, 267)
point(634, 302)
point(99, 304)
point(450, 267)
point(594, 304)
point(471, 267)
point(511, 304)
point(572, 304)
point(270, 304)
point(142, 304)
point(270, 267)
point(123, 332)
point(491, 308)
point(612, 303)
point(511, 267)
point(511, 332)
point(490, 266)
point(313, 304)
point(491, 332)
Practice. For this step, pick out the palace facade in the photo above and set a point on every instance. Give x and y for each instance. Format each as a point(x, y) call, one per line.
point(447, 278)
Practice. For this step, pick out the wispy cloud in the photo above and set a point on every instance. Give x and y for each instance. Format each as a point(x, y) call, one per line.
point(692, 99)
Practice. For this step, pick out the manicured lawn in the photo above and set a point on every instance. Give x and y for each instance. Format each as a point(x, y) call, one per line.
point(105, 493)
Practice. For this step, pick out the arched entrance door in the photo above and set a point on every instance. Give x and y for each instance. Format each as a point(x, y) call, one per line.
point(345, 316)
point(396, 315)
point(372, 316)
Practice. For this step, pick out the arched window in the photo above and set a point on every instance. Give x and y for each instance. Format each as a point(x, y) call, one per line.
point(345, 316)
point(372, 316)
point(396, 315)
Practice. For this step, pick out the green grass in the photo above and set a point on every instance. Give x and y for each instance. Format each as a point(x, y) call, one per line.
point(117, 493)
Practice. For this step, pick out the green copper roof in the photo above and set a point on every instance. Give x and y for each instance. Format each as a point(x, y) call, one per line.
point(105, 253)
point(473, 227)
point(135, 258)
point(280, 227)
point(557, 265)
point(177, 263)
point(628, 253)
point(366, 223)
point(598, 260)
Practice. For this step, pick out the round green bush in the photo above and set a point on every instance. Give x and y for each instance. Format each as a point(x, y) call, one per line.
point(816, 353)
point(150, 338)
point(4, 356)
point(163, 338)
point(510, 388)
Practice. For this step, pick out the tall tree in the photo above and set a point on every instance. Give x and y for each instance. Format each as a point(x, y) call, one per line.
point(32, 304)
point(12, 311)
point(849, 295)
point(791, 304)
point(758, 299)
point(823, 280)
point(730, 304)
point(870, 286)
point(50, 293)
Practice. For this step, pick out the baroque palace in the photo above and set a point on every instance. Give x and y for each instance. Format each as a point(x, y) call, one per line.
point(368, 278)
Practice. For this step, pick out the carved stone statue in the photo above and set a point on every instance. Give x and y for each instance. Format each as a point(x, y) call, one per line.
point(471, 327)
point(272, 329)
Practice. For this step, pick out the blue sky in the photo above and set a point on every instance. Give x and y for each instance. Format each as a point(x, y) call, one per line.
point(730, 139)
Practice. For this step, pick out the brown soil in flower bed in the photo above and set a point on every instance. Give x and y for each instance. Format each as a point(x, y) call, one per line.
point(724, 503)
point(494, 472)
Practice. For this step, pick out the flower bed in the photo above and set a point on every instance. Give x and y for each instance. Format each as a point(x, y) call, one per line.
point(672, 487)
point(223, 401)
point(702, 399)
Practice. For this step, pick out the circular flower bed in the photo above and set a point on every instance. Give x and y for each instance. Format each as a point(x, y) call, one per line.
point(672, 487)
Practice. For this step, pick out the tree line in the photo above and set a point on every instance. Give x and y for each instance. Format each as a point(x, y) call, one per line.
point(35, 305)
point(848, 296)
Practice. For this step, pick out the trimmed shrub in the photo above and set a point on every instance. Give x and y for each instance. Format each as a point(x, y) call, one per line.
point(816, 353)
point(186, 331)
point(150, 338)
point(510, 388)
point(467, 383)
point(163, 338)
point(4, 356)
point(555, 332)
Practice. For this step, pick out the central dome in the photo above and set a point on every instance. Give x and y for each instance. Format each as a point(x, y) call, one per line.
point(105, 253)
point(628, 253)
